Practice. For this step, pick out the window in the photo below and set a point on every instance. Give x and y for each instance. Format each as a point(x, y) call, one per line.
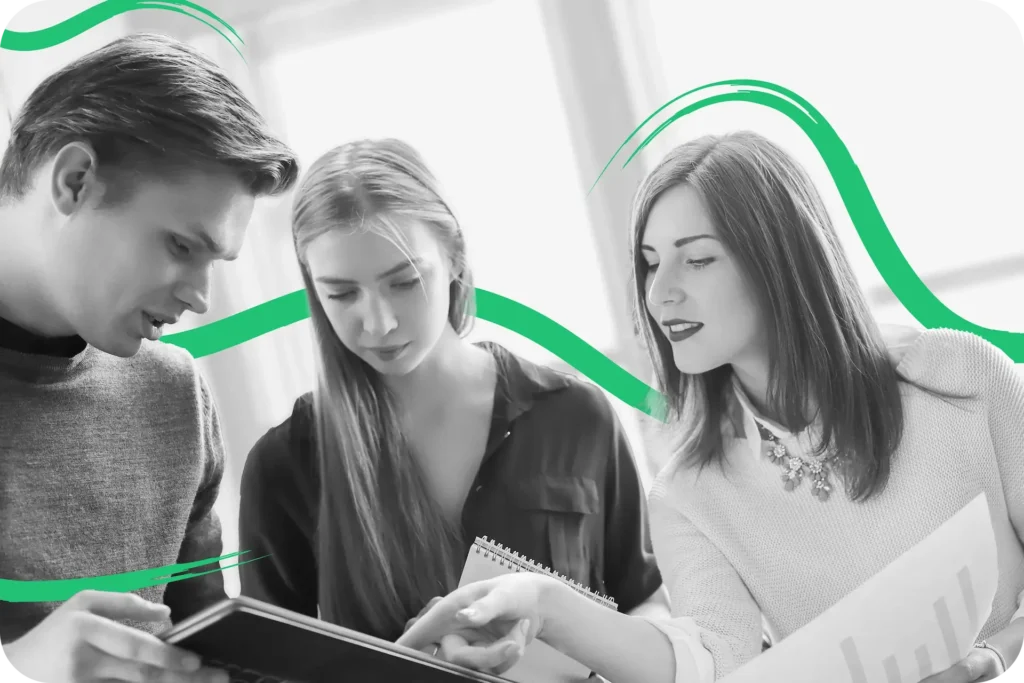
point(472, 89)
point(932, 123)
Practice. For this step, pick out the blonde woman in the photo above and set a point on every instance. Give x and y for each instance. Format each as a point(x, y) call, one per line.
point(416, 441)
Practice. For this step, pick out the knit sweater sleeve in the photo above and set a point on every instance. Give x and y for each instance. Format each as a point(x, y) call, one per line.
point(203, 533)
point(713, 613)
point(1004, 391)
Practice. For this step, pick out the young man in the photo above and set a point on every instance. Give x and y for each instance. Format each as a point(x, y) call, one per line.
point(128, 174)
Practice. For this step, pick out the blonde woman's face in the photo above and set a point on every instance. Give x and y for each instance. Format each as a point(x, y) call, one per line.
point(695, 290)
point(388, 305)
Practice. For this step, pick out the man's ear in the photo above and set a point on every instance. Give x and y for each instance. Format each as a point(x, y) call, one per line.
point(73, 179)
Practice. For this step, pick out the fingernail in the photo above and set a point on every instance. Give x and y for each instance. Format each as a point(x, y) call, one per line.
point(467, 613)
point(524, 626)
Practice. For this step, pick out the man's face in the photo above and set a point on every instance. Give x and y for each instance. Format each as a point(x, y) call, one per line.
point(122, 271)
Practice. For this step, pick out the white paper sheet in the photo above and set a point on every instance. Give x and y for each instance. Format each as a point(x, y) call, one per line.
point(918, 616)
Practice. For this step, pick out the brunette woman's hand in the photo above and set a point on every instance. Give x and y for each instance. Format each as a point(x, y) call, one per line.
point(484, 626)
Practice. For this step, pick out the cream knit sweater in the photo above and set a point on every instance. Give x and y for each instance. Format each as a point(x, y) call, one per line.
point(736, 547)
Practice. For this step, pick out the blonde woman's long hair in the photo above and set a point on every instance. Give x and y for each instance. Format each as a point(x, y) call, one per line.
point(379, 531)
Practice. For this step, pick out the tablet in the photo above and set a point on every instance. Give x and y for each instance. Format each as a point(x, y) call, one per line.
point(260, 643)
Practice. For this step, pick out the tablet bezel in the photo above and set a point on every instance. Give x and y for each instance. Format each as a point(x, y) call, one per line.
point(217, 612)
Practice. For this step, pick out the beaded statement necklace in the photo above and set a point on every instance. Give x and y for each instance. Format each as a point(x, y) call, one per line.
point(795, 467)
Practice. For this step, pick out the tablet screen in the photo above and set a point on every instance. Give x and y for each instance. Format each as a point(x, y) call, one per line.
point(267, 646)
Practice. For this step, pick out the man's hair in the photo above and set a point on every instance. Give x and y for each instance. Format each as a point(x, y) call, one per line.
point(151, 104)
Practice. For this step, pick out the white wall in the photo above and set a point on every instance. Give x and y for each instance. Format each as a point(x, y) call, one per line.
point(22, 71)
point(928, 96)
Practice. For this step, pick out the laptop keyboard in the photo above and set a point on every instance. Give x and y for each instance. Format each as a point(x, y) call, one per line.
point(240, 675)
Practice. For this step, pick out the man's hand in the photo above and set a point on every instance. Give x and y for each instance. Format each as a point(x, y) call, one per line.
point(83, 641)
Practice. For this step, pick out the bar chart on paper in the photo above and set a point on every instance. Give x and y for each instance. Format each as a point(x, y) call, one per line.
point(924, 664)
point(918, 616)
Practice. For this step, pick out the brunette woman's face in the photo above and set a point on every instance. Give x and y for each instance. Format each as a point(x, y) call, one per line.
point(695, 290)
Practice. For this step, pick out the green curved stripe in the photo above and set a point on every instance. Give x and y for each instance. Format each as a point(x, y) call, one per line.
point(24, 41)
point(241, 327)
point(538, 328)
point(60, 590)
point(897, 272)
point(291, 308)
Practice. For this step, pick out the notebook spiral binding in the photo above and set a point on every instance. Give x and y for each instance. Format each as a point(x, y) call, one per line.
point(520, 563)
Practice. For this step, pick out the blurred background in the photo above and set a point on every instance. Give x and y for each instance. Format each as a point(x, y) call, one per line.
point(517, 105)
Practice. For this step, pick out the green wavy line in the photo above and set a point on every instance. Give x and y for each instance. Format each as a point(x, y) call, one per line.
point(291, 308)
point(895, 269)
point(897, 272)
point(24, 41)
point(59, 590)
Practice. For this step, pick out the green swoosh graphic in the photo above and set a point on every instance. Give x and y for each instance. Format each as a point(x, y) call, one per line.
point(291, 308)
point(535, 326)
point(23, 41)
point(897, 272)
point(60, 590)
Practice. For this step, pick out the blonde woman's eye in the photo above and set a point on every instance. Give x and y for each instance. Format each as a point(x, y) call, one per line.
point(701, 263)
point(407, 284)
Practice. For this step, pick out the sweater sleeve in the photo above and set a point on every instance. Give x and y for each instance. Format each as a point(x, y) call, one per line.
point(1003, 384)
point(715, 621)
point(202, 539)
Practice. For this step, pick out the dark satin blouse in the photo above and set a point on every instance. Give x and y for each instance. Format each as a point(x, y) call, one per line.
point(557, 483)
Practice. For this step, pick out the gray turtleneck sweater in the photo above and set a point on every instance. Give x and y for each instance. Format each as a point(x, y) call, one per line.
point(107, 465)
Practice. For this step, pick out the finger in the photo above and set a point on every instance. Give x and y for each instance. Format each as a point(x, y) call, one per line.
point(430, 604)
point(453, 642)
point(204, 675)
point(497, 657)
point(104, 667)
point(208, 675)
point(520, 635)
point(119, 606)
point(426, 608)
point(439, 621)
point(975, 667)
point(124, 642)
point(108, 668)
point(972, 668)
point(515, 642)
point(489, 607)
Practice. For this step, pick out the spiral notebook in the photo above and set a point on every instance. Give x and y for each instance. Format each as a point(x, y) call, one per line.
point(541, 663)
